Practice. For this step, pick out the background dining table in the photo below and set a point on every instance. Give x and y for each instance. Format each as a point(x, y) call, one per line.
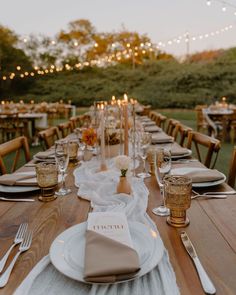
point(212, 230)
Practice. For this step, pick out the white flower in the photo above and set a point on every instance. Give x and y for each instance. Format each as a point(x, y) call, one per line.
point(122, 162)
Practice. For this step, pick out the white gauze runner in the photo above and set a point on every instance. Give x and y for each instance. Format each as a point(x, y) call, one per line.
point(100, 189)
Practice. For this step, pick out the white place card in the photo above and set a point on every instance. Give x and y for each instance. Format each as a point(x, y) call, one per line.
point(113, 225)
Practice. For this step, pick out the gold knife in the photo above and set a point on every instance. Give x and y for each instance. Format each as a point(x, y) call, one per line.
point(207, 284)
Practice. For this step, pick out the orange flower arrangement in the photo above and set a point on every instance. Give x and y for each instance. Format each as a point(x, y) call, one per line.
point(89, 136)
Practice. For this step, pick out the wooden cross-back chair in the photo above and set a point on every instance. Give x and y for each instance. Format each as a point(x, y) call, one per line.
point(49, 136)
point(213, 147)
point(201, 121)
point(76, 121)
point(152, 115)
point(66, 128)
point(172, 123)
point(15, 145)
point(159, 119)
point(180, 133)
point(232, 169)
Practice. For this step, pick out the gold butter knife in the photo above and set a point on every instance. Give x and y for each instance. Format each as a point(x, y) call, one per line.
point(206, 282)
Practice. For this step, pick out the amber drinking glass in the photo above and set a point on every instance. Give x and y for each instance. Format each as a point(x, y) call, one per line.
point(177, 193)
point(73, 151)
point(47, 178)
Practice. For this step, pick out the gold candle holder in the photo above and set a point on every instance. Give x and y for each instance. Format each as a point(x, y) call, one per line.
point(47, 177)
point(177, 193)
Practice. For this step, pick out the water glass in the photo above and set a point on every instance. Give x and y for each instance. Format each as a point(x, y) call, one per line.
point(144, 142)
point(163, 167)
point(62, 160)
point(47, 178)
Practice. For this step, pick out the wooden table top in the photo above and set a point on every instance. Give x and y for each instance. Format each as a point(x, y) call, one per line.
point(212, 230)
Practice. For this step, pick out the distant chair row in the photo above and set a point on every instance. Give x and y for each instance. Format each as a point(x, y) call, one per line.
point(51, 134)
point(190, 139)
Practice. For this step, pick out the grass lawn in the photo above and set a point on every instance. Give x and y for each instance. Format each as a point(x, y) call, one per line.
point(188, 117)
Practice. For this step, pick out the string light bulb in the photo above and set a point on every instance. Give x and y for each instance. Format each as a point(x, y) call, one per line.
point(224, 8)
point(208, 3)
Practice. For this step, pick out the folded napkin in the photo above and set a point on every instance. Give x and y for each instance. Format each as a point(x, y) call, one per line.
point(46, 155)
point(204, 175)
point(149, 124)
point(177, 150)
point(207, 175)
point(161, 138)
point(152, 129)
point(19, 179)
point(107, 261)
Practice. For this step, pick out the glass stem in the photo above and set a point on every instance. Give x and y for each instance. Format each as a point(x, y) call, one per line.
point(163, 196)
point(63, 185)
point(144, 165)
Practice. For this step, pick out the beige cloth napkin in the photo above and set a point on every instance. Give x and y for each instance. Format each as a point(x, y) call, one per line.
point(107, 261)
point(177, 150)
point(205, 175)
point(149, 124)
point(16, 179)
point(161, 138)
point(152, 129)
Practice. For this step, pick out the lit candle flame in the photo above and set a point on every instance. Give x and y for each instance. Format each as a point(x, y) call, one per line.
point(125, 98)
point(102, 106)
point(113, 98)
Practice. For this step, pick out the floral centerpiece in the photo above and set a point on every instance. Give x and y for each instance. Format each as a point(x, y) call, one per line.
point(122, 163)
point(89, 138)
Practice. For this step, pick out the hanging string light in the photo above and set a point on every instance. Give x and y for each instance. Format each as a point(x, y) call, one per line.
point(224, 5)
point(127, 53)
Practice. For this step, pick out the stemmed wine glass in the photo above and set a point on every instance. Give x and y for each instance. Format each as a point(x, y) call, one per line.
point(144, 142)
point(163, 168)
point(62, 160)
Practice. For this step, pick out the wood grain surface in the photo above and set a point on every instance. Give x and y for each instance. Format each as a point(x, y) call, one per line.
point(212, 230)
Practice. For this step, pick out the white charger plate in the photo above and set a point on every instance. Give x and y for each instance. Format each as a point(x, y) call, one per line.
point(67, 250)
point(18, 188)
point(185, 170)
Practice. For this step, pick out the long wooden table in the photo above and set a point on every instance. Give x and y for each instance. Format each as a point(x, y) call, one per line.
point(212, 230)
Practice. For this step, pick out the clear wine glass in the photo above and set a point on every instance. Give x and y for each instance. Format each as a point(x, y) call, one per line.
point(144, 143)
point(163, 168)
point(62, 160)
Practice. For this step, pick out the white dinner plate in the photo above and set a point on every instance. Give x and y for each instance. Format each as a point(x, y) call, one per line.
point(187, 154)
point(185, 170)
point(17, 189)
point(67, 250)
point(20, 188)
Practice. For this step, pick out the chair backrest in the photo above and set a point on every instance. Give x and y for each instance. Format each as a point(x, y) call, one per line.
point(14, 145)
point(232, 169)
point(180, 133)
point(200, 118)
point(66, 128)
point(172, 123)
point(76, 121)
point(159, 119)
point(49, 136)
point(212, 127)
point(211, 144)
